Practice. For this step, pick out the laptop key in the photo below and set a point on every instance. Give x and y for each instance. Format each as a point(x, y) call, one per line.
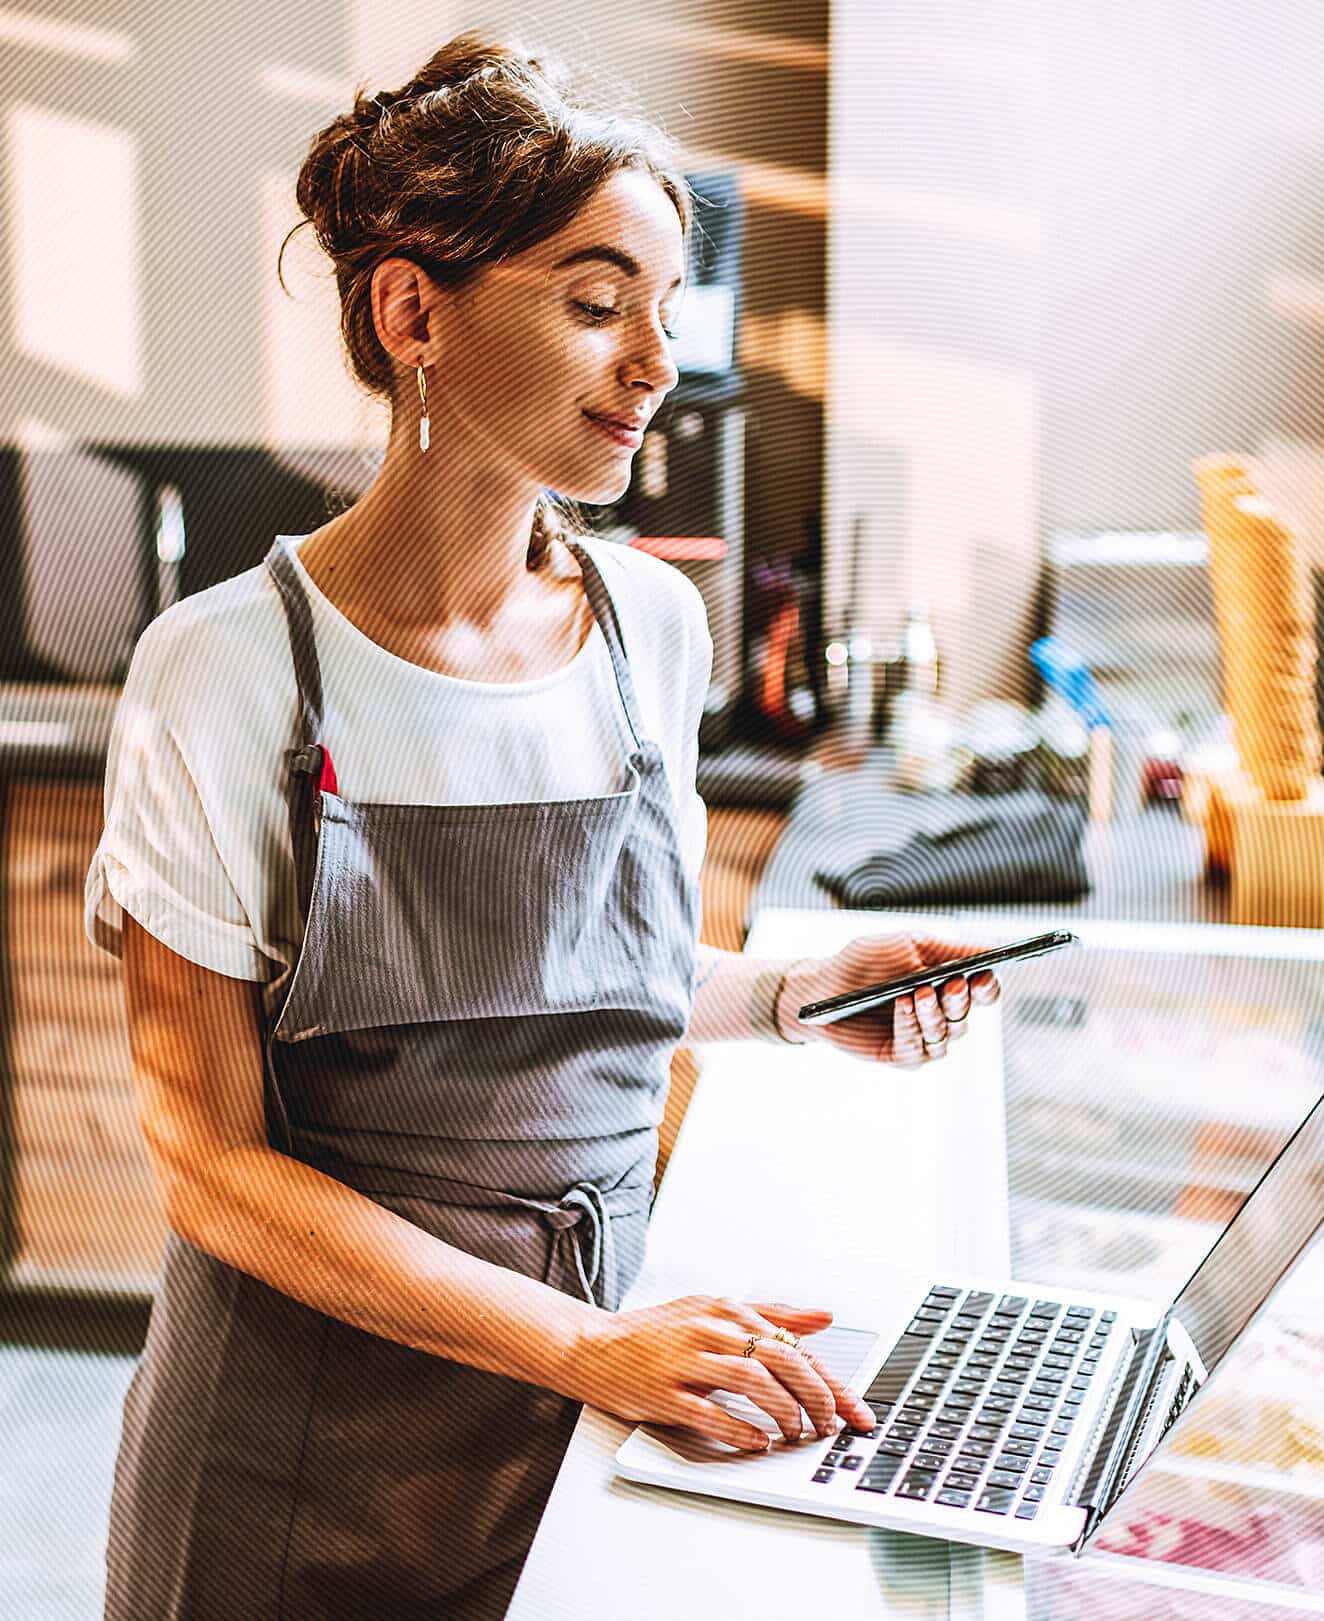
point(916, 1485)
point(893, 1449)
point(1033, 1494)
point(1042, 1477)
point(1016, 1303)
point(949, 1291)
point(879, 1476)
point(1107, 1316)
point(824, 1474)
point(985, 1432)
point(946, 1432)
point(953, 1499)
point(1045, 1308)
point(1001, 1477)
point(902, 1360)
point(1018, 1448)
point(1027, 1511)
point(1027, 1432)
point(977, 1303)
point(996, 1500)
point(853, 1461)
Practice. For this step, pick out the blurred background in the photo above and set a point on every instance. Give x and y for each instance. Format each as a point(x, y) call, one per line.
point(997, 454)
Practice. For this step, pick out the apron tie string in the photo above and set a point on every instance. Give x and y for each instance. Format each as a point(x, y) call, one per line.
point(585, 1198)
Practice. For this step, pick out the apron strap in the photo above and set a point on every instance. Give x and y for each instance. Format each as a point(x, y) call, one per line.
point(604, 609)
point(583, 1204)
point(303, 644)
point(310, 771)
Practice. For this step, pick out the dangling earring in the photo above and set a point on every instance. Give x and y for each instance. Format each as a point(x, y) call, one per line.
point(424, 425)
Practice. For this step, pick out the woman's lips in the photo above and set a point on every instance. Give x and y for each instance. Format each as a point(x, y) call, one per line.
point(632, 438)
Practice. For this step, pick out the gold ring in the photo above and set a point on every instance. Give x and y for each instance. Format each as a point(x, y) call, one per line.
point(786, 1337)
point(933, 1046)
point(750, 1343)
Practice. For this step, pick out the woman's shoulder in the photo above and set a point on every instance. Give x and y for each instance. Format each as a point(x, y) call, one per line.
point(652, 588)
point(234, 618)
point(216, 657)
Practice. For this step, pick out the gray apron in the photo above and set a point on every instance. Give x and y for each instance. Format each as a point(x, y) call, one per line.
point(477, 1034)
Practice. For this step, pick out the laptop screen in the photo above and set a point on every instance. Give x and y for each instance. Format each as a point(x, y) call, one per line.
point(1275, 1224)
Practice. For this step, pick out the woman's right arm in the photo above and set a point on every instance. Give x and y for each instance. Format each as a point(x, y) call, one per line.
point(198, 1067)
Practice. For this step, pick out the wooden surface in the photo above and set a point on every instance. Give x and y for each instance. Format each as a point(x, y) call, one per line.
point(88, 1212)
point(739, 844)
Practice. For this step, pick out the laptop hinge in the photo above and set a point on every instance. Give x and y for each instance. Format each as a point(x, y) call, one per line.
point(1115, 1444)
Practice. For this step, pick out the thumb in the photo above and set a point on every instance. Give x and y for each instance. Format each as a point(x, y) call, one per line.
point(778, 1311)
point(932, 952)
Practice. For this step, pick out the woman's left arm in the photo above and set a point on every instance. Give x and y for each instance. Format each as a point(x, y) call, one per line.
point(743, 998)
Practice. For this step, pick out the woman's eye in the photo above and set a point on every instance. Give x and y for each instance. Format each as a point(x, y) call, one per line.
point(600, 312)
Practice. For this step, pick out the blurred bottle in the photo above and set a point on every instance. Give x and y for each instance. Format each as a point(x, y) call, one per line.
point(919, 651)
point(927, 756)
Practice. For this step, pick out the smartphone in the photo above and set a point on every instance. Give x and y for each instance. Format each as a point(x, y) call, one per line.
point(872, 996)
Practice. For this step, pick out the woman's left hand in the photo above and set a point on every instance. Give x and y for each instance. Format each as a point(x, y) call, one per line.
point(912, 1030)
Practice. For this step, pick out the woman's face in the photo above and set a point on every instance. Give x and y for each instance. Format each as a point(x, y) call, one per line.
point(575, 325)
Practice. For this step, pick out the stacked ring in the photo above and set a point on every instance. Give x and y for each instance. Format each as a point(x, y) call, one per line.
point(781, 1334)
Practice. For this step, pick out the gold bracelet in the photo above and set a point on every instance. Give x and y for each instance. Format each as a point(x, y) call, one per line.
point(763, 1012)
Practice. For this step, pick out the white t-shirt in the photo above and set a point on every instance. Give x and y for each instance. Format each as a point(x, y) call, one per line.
point(196, 843)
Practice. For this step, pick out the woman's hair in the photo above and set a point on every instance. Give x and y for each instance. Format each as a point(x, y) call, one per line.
point(486, 151)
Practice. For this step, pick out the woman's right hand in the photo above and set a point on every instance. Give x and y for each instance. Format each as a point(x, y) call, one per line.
point(659, 1364)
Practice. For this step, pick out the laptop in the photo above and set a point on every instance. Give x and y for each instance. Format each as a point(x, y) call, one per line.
point(1008, 1414)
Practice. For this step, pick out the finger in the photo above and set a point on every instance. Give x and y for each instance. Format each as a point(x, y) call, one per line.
point(777, 1311)
point(796, 1370)
point(955, 998)
point(985, 987)
point(712, 1420)
point(932, 1019)
point(852, 1407)
point(748, 1376)
point(907, 1037)
point(932, 950)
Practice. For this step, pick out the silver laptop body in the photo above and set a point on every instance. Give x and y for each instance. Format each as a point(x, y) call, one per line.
point(1012, 1415)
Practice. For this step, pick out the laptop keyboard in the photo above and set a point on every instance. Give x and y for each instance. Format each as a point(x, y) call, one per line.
point(975, 1402)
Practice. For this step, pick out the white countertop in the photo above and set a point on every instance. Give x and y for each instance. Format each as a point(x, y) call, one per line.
point(804, 1176)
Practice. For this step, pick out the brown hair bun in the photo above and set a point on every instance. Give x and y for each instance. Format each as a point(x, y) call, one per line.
point(486, 151)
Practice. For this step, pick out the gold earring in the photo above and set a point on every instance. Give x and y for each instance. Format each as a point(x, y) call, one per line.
point(424, 426)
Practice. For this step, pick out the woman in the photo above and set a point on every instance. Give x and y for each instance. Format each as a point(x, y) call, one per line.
point(401, 858)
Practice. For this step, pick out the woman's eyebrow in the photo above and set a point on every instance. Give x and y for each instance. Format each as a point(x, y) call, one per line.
point(613, 256)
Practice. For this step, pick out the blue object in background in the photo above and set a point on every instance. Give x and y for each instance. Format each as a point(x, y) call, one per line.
point(1069, 676)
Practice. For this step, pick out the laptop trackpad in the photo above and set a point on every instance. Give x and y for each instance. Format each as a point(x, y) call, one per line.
point(842, 1351)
